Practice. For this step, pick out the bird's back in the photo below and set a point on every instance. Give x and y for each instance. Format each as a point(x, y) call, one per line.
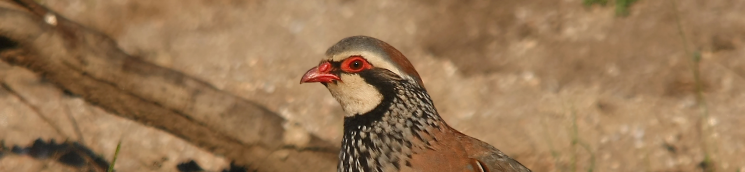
point(455, 152)
point(489, 157)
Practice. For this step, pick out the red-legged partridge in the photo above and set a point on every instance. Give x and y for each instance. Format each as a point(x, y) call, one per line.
point(391, 123)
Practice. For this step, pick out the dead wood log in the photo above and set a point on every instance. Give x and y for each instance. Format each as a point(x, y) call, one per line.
point(90, 64)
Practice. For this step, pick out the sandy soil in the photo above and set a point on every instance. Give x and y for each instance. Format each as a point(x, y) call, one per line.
point(530, 77)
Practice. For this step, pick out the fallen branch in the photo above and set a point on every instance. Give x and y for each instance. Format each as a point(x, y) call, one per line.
point(90, 64)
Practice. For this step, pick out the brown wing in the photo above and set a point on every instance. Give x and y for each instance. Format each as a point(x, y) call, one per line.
point(488, 157)
point(447, 154)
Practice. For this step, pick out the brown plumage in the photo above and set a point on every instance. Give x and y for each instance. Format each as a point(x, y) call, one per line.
point(391, 123)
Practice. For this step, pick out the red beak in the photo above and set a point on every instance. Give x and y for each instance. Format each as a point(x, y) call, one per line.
point(321, 73)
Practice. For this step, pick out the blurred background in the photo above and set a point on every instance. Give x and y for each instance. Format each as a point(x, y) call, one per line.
point(569, 85)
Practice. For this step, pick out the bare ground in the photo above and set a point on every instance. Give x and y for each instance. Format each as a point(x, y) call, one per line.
point(520, 75)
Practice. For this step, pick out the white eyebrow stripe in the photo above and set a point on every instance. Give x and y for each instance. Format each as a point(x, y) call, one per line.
point(374, 59)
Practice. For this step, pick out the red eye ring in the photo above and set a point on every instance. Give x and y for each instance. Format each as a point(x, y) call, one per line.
point(355, 64)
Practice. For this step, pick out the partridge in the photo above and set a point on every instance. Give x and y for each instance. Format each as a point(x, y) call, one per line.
point(391, 123)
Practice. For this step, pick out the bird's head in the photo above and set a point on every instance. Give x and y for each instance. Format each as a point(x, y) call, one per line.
point(361, 71)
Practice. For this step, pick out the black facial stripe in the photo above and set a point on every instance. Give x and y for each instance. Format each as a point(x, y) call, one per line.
point(384, 81)
point(336, 68)
point(376, 138)
point(336, 65)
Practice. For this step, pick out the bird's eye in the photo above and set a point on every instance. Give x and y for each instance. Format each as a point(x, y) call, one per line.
point(355, 64)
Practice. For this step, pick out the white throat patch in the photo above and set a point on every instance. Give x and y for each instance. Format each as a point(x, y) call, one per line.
point(354, 94)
